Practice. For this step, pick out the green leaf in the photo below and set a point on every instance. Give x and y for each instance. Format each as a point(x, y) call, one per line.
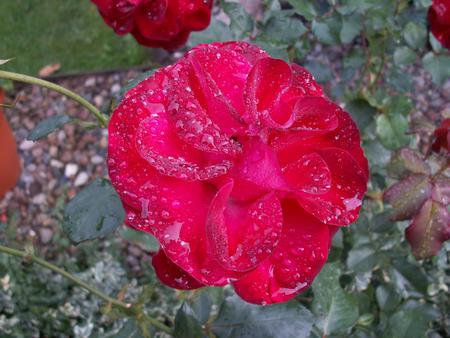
point(387, 297)
point(275, 49)
point(412, 321)
point(351, 27)
point(320, 72)
point(94, 212)
point(305, 8)
point(216, 31)
point(391, 130)
point(408, 195)
point(241, 23)
point(405, 162)
point(146, 241)
point(415, 35)
point(362, 258)
point(283, 28)
point(412, 273)
point(438, 66)
point(201, 305)
point(327, 31)
point(337, 310)
point(398, 104)
point(48, 126)
point(238, 319)
point(361, 111)
point(435, 43)
point(404, 56)
point(381, 222)
point(129, 330)
point(186, 324)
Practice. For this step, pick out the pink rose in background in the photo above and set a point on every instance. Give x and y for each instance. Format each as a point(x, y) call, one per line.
point(156, 23)
point(439, 18)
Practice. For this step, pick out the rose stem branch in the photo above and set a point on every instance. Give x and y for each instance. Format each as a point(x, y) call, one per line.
point(127, 308)
point(103, 121)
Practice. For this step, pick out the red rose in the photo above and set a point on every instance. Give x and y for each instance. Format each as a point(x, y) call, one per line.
point(439, 18)
point(441, 137)
point(156, 23)
point(240, 166)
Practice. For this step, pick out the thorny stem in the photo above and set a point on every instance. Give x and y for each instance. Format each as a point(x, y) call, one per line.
point(126, 307)
point(102, 120)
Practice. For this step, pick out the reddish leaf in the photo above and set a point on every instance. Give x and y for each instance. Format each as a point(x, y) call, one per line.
point(429, 229)
point(405, 162)
point(407, 196)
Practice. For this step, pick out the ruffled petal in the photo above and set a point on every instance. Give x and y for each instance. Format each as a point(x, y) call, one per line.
point(171, 274)
point(298, 258)
point(157, 142)
point(340, 205)
point(345, 135)
point(309, 174)
point(256, 171)
point(194, 121)
point(241, 235)
point(172, 210)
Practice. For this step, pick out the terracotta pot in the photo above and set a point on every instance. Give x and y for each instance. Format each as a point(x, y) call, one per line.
point(9, 159)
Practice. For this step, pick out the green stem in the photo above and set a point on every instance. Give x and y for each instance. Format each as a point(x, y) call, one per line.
point(68, 93)
point(114, 302)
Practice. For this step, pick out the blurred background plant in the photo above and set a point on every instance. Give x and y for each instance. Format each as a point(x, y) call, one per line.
point(388, 274)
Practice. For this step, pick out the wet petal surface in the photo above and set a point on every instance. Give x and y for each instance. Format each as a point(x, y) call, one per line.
point(299, 256)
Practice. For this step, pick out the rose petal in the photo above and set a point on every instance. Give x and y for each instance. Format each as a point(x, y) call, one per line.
point(226, 69)
point(241, 235)
point(256, 171)
point(345, 136)
point(309, 174)
point(172, 275)
point(191, 116)
point(340, 205)
point(298, 258)
point(157, 142)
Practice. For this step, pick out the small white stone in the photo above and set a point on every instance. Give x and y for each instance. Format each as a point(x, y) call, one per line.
point(39, 199)
point(56, 164)
point(96, 159)
point(115, 88)
point(71, 169)
point(81, 179)
point(26, 145)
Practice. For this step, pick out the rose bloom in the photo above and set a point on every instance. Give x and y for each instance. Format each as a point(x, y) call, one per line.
point(241, 168)
point(156, 23)
point(439, 18)
point(441, 137)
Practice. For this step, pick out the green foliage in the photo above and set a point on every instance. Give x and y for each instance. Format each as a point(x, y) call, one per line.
point(238, 319)
point(48, 126)
point(96, 211)
point(38, 33)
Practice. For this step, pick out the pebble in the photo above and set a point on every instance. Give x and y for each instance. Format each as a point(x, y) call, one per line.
point(39, 199)
point(56, 164)
point(45, 234)
point(96, 159)
point(26, 145)
point(70, 170)
point(81, 179)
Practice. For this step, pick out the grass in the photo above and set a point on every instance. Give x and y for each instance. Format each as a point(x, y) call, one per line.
point(37, 33)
